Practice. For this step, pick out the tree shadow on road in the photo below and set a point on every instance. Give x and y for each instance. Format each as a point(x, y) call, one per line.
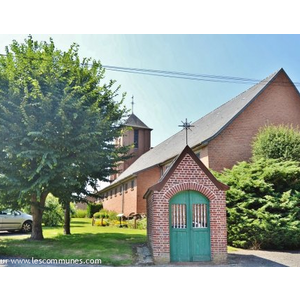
point(243, 260)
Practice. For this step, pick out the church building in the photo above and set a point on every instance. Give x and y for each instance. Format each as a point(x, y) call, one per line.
point(220, 139)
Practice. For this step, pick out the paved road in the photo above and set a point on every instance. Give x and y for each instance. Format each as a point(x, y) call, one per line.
point(239, 258)
point(254, 258)
point(259, 258)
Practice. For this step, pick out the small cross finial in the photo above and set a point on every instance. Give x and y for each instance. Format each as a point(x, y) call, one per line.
point(132, 104)
point(186, 125)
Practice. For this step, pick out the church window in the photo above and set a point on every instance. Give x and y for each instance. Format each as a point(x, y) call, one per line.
point(136, 139)
point(121, 189)
point(126, 187)
point(132, 184)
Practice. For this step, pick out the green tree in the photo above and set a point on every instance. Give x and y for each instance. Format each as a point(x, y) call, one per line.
point(58, 121)
point(282, 142)
point(263, 204)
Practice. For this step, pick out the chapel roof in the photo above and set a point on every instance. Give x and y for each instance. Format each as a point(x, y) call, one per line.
point(186, 151)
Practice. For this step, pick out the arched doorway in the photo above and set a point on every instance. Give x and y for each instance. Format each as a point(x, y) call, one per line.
point(189, 221)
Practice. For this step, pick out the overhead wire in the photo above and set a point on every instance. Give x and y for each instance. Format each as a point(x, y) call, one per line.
point(183, 74)
point(189, 76)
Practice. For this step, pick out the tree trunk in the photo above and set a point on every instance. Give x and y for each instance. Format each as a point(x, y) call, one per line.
point(37, 209)
point(67, 229)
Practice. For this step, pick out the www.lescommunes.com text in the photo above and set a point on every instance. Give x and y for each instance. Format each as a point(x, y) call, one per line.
point(34, 261)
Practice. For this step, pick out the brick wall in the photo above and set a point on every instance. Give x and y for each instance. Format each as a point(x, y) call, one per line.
point(145, 179)
point(125, 202)
point(204, 156)
point(187, 176)
point(278, 104)
point(132, 199)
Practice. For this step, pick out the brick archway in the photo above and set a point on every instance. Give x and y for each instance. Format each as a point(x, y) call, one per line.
point(193, 186)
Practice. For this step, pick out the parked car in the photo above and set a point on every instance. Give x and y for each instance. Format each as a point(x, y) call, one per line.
point(15, 220)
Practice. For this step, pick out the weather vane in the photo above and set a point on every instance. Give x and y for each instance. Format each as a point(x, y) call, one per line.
point(187, 126)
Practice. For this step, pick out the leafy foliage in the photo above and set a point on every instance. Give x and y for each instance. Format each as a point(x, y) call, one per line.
point(53, 214)
point(140, 224)
point(80, 213)
point(263, 204)
point(58, 121)
point(103, 213)
point(277, 142)
point(108, 214)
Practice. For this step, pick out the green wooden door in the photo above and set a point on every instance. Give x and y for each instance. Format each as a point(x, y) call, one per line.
point(189, 227)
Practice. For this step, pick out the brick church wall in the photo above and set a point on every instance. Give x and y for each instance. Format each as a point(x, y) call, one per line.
point(126, 200)
point(278, 104)
point(145, 179)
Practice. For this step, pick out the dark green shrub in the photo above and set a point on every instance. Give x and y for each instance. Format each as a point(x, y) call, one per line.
point(263, 204)
point(93, 208)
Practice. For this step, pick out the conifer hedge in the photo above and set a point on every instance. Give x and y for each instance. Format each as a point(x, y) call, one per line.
point(263, 204)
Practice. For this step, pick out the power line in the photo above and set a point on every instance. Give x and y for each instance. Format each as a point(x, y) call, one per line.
point(218, 77)
point(200, 77)
point(179, 75)
point(186, 76)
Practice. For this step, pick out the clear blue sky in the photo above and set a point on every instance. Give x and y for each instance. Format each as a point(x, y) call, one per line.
point(162, 103)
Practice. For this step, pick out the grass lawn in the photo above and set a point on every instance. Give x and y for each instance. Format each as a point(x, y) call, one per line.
point(114, 246)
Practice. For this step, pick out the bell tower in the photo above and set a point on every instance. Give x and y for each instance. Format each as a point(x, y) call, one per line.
point(138, 136)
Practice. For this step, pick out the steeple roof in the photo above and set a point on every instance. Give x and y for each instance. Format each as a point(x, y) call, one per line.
point(135, 122)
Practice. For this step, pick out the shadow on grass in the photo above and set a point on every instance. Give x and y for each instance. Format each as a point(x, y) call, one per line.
point(14, 234)
point(83, 222)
